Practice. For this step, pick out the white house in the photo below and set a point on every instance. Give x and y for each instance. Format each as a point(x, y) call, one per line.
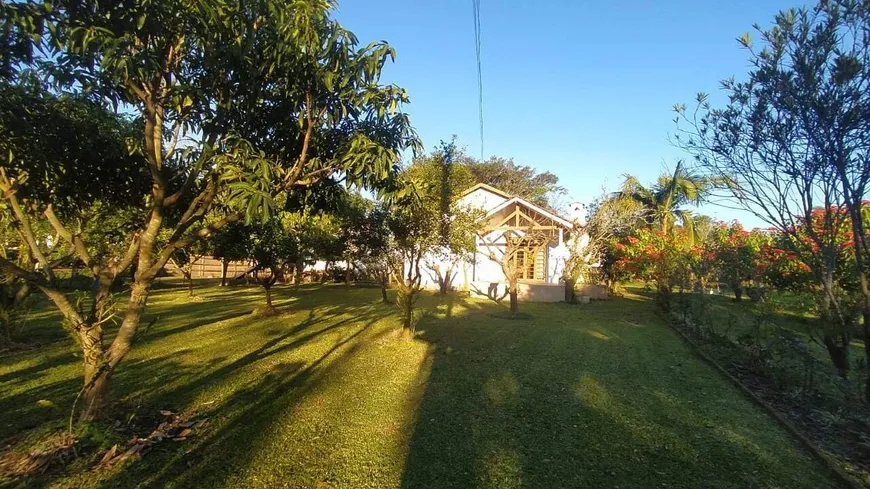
point(545, 242)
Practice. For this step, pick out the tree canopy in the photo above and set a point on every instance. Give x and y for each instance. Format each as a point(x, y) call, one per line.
point(524, 181)
point(235, 103)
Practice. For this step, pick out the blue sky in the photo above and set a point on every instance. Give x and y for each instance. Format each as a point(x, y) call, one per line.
point(582, 89)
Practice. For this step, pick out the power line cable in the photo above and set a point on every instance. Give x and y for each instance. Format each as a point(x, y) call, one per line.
point(475, 4)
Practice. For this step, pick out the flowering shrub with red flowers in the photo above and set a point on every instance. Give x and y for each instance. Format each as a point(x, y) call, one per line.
point(665, 259)
point(784, 269)
point(797, 260)
point(738, 254)
point(794, 260)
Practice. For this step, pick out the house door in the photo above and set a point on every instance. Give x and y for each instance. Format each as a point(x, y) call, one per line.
point(532, 267)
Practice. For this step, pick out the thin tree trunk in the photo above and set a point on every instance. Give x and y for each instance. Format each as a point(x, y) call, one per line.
point(407, 313)
point(225, 265)
point(663, 296)
point(514, 295)
point(839, 354)
point(297, 272)
point(855, 204)
point(569, 290)
point(327, 267)
point(867, 351)
point(268, 287)
point(384, 297)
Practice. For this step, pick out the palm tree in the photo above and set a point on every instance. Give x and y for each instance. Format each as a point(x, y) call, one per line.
point(662, 203)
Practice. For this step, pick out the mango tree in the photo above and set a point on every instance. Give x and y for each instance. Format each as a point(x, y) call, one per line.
point(235, 103)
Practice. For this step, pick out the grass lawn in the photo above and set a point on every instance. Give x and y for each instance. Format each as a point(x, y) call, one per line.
point(326, 395)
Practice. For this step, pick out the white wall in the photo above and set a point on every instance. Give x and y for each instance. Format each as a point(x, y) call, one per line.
point(484, 270)
point(482, 199)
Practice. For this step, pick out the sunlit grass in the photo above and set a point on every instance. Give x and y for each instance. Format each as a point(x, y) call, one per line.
point(598, 395)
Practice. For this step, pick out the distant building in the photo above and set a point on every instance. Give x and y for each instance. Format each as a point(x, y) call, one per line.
point(541, 266)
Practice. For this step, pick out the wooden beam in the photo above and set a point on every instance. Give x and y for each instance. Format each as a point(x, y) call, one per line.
point(513, 215)
point(522, 228)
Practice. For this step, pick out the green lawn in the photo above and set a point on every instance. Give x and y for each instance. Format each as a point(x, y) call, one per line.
point(598, 395)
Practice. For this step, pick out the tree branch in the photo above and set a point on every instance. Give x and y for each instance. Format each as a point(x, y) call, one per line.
point(74, 240)
point(167, 251)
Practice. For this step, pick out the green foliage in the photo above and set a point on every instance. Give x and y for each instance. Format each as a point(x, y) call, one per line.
point(230, 243)
point(609, 219)
point(439, 179)
point(737, 254)
point(524, 181)
point(271, 245)
point(662, 203)
point(14, 311)
point(318, 236)
point(68, 150)
point(362, 228)
point(794, 136)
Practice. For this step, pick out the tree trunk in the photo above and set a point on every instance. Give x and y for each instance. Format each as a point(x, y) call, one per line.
point(190, 284)
point(408, 311)
point(569, 290)
point(409, 315)
point(738, 293)
point(327, 267)
point(95, 391)
point(225, 265)
point(100, 363)
point(839, 354)
point(663, 296)
point(445, 280)
point(297, 272)
point(384, 294)
point(268, 287)
point(514, 293)
point(867, 352)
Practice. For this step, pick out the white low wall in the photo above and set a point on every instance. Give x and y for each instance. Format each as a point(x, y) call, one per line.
point(531, 292)
point(537, 292)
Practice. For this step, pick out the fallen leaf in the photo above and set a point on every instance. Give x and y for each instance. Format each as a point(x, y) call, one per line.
point(110, 454)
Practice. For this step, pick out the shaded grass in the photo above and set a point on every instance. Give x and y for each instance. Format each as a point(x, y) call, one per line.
point(760, 323)
point(327, 393)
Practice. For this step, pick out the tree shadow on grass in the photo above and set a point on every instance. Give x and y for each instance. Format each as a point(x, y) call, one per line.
point(24, 408)
point(144, 375)
point(595, 396)
point(240, 422)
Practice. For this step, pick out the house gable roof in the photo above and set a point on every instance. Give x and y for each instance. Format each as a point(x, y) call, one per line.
point(512, 199)
point(488, 188)
point(540, 210)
